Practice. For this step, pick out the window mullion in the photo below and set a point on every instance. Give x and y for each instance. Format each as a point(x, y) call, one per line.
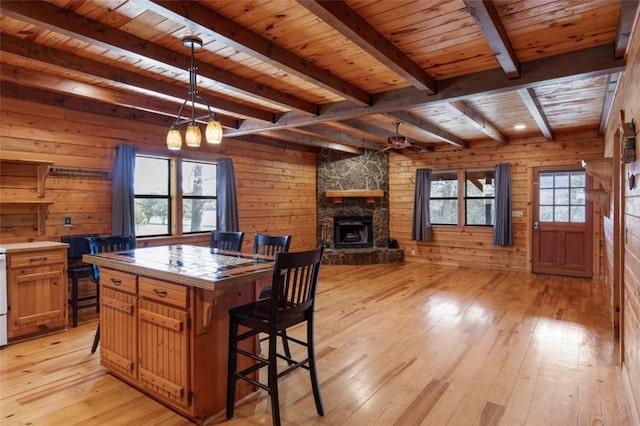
point(175, 194)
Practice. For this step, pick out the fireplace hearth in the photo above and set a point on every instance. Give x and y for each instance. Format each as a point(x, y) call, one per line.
point(353, 231)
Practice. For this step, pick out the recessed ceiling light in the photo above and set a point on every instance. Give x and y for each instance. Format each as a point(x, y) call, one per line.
point(519, 126)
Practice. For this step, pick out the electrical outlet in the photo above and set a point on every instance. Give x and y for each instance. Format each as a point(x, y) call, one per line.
point(67, 221)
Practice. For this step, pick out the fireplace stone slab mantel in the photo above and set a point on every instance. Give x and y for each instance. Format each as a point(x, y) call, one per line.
point(369, 194)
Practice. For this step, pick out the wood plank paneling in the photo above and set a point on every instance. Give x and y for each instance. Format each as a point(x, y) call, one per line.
point(627, 99)
point(276, 186)
point(472, 246)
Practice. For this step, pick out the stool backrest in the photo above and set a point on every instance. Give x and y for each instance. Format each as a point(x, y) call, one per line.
point(226, 240)
point(271, 244)
point(107, 245)
point(295, 279)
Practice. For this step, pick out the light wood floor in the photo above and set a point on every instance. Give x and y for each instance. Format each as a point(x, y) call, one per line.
point(396, 345)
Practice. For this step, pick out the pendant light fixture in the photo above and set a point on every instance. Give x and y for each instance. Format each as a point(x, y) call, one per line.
point(193, 136)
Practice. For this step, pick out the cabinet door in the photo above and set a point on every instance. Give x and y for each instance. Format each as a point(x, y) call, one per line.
point(118, 331)
point(37, 299)
point(163, 361)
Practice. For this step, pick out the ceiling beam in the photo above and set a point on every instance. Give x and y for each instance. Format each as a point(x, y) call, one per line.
point(486, 16)
point(377, 133)
point(341, 137)
point(535, 109)
point(300, 139)
point(628, 12)
point(78, 27)
point(609, 94)
point(348, 23)
point(478, 120)
point(556, 69)
point(120, 78)
point(429, 129)
point(198, 17)
point(65, 87)
point(12, 90)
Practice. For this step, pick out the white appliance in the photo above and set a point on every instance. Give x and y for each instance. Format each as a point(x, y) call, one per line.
point(3, 297)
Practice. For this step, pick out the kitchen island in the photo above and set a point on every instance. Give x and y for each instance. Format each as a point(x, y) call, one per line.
point(164, 320)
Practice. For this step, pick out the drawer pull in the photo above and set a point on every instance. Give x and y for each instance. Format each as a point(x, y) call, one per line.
point(116, 281)
point(38, 259)
point(161, 293)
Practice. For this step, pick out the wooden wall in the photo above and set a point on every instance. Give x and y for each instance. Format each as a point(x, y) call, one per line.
point(623, 239)
point(276, 186)
point(472, 246)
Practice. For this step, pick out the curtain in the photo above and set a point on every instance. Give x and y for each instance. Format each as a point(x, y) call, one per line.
point(421, 229)
point(227, 197)
point(123, 221)
point(503, 225)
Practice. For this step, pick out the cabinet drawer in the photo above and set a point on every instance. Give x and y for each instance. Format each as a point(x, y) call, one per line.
point(36, 258)
point(163, 291)
point(119, 280)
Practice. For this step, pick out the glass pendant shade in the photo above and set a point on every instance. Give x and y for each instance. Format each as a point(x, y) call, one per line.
point(213, 132)
point(174, 139)
point(193, 136)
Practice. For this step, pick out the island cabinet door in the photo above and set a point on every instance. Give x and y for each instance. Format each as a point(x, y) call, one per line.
point(118, 323)
point(163, 360)
point(36, 292)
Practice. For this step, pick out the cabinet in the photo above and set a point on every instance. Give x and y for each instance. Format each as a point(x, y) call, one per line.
point(20, 178)
point(163, 324)
point(36, 288)
point(170, 340)
point(118, 319)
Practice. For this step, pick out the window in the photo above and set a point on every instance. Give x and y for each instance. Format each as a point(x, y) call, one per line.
point(562, 197)
point(479, 197)
point(444, 198)
point(195, 201)
point(198, 197)
point(462, 195)
point(151, 187)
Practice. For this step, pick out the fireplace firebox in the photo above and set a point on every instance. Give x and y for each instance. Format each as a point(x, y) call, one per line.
point(352, 231)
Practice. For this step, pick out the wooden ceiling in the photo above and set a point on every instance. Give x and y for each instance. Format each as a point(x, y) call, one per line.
point(333, 74)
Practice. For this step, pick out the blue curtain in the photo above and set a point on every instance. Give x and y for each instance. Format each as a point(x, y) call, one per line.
point(123, 221)
point(421, 229)
point(503, 226)
point(227, 197)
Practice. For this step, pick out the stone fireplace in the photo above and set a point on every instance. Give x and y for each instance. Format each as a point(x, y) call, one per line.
point(353, 208)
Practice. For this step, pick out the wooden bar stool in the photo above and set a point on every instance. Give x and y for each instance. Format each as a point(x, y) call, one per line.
point(294, 282)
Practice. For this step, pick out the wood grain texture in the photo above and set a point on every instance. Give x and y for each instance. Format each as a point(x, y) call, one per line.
point(623, 246)
point(403, 344)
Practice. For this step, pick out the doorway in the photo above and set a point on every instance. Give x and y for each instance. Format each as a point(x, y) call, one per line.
point(562, 222)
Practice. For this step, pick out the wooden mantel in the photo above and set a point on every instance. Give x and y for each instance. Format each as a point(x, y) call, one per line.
point(369, 194)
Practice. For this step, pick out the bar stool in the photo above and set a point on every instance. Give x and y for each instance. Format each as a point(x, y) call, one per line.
point(294, 282)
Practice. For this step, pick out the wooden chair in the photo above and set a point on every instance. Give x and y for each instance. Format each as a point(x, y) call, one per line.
point(77, 270)
point(106, 245)
point(294, 282)
point(226, 240)
point(270, 245)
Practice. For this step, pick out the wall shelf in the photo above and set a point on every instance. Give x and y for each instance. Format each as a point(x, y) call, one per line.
point(601, 197)
point(369, 194)
point(601, 170)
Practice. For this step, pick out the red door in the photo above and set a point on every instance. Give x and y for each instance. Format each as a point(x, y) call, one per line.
point(562, 223)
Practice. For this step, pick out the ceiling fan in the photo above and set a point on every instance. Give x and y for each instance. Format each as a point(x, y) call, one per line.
point(399, 142)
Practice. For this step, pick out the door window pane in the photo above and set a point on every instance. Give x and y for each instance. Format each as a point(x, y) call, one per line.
point(561, 197)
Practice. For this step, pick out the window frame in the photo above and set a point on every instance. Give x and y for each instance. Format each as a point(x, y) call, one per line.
point(466, 197)
point(461, 197)
point(175, 196)
point(456, 198)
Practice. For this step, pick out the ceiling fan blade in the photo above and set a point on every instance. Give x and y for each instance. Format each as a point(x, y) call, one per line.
point(417, 149)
